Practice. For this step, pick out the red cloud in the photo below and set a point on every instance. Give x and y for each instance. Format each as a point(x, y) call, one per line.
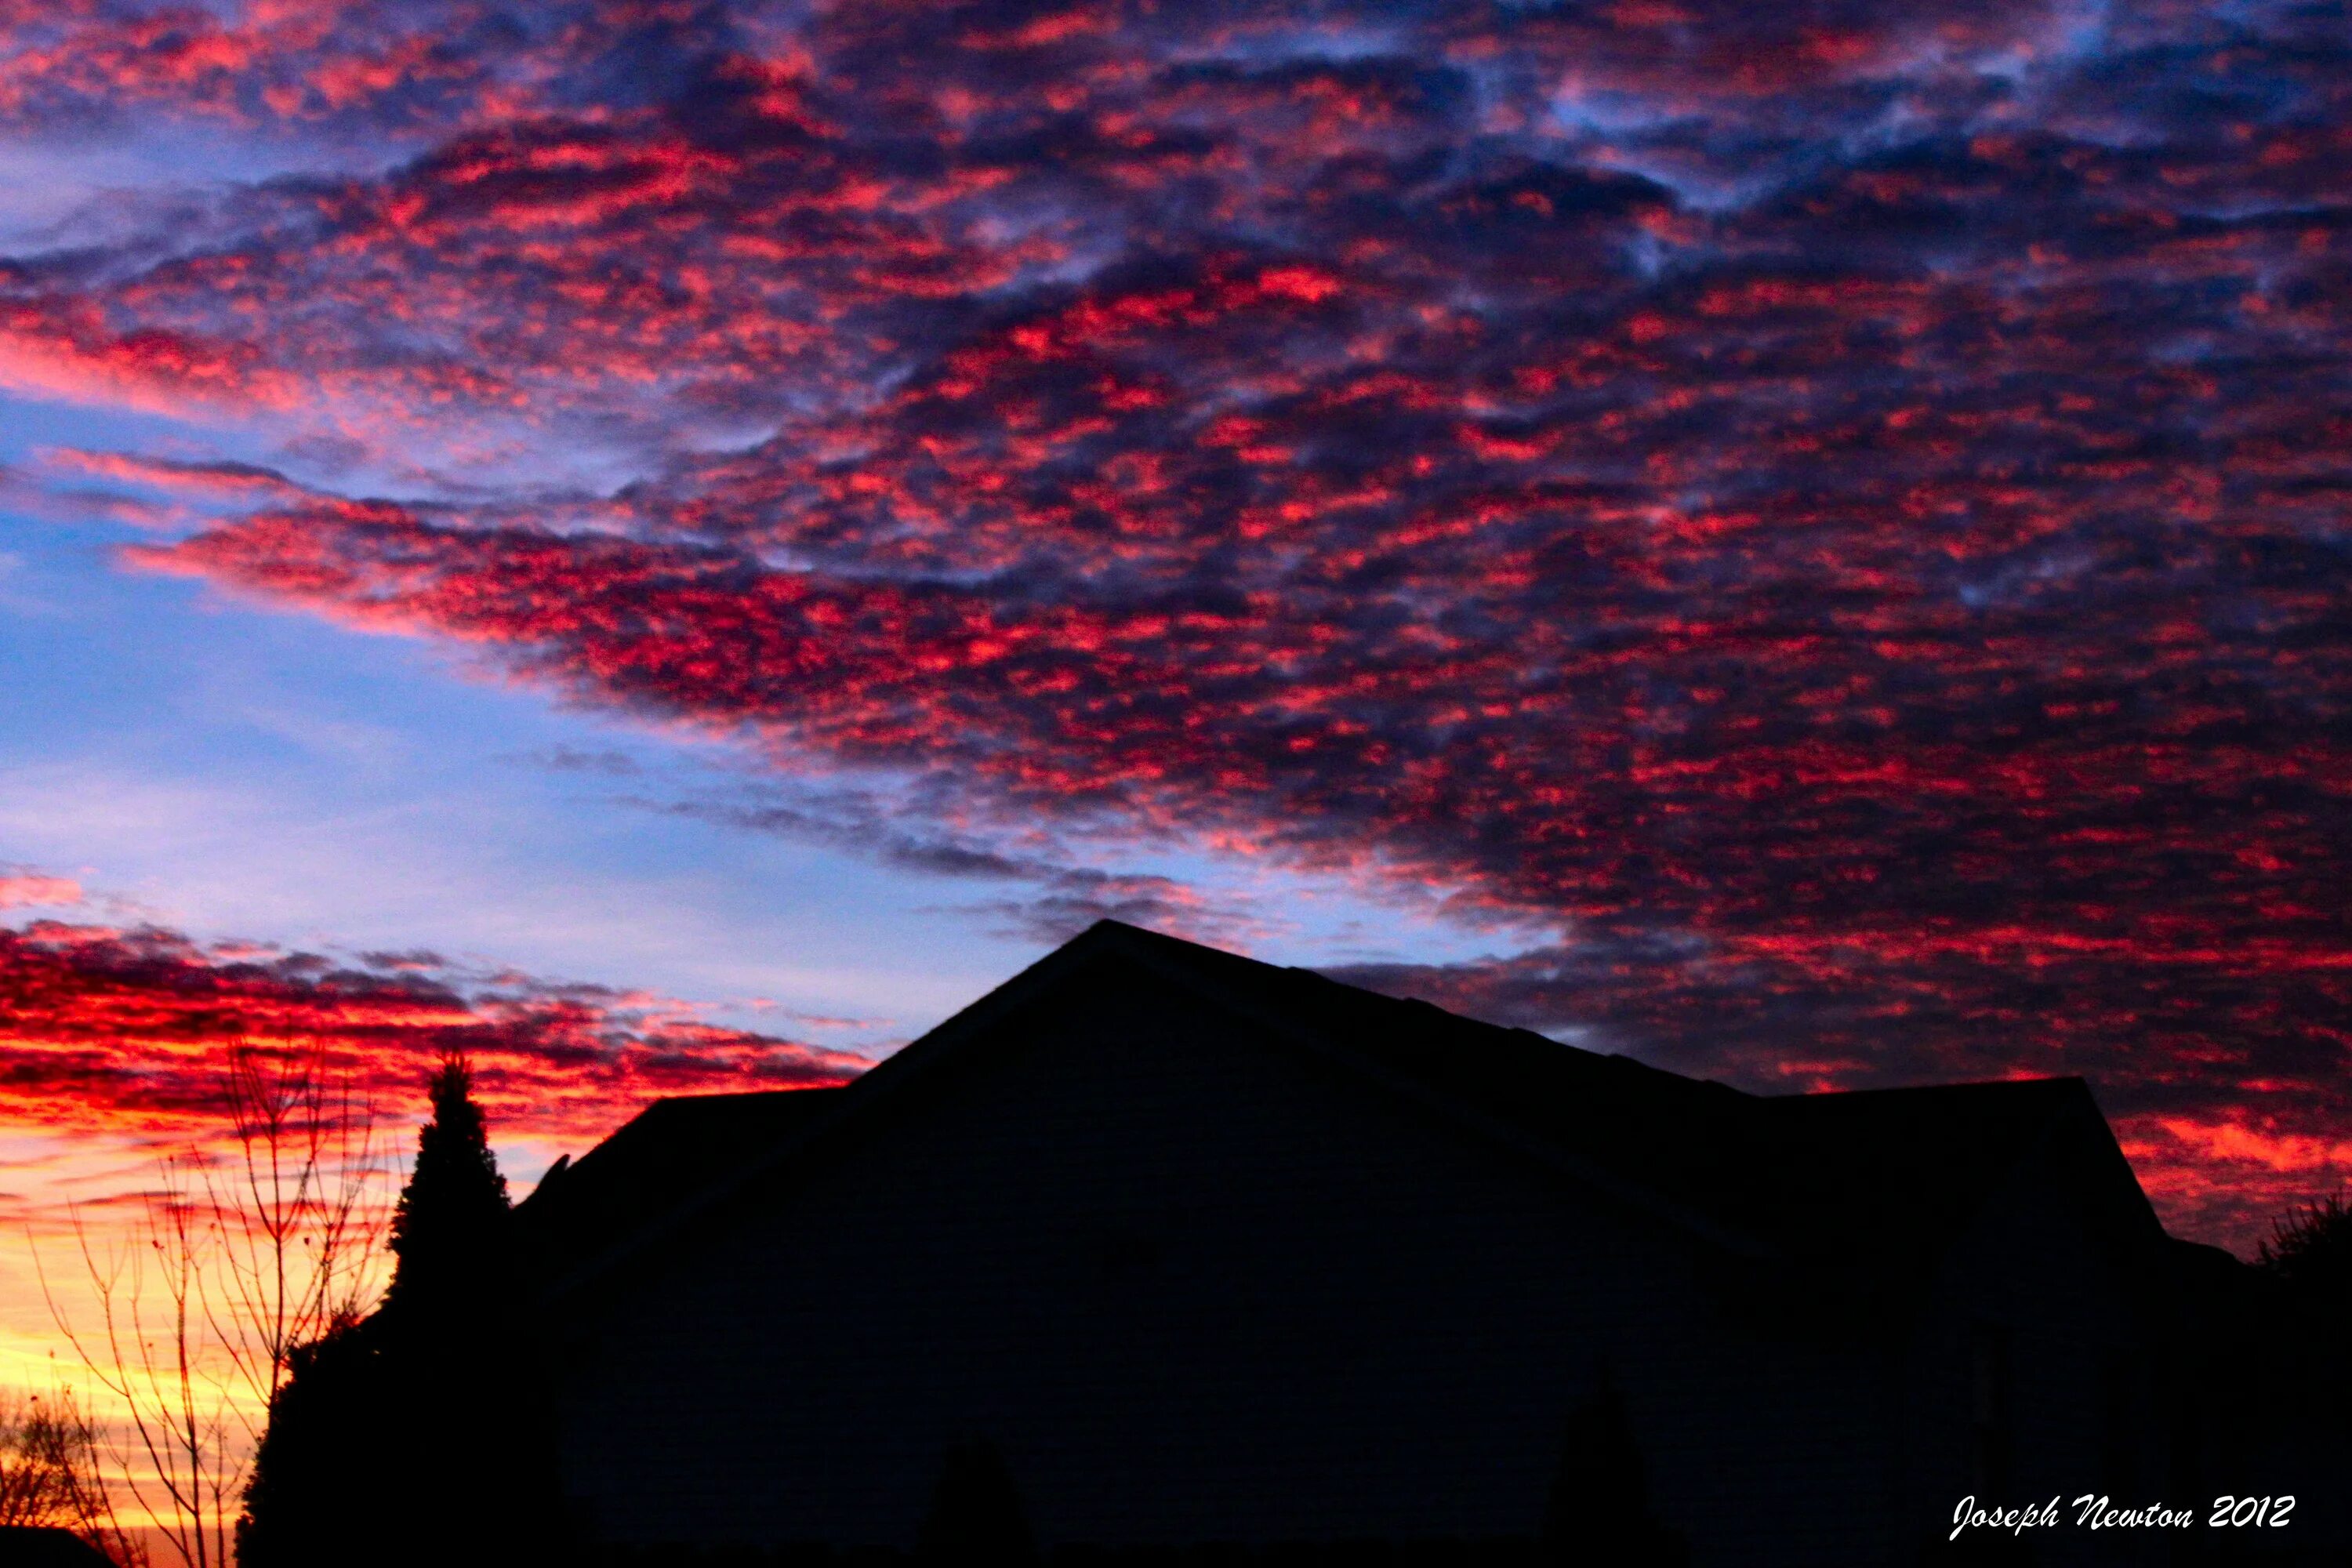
point(229, 482)
point(19, 886)
point(128, 1031)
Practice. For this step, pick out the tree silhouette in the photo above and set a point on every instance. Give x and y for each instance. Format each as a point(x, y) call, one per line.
point(445, 1332)
point(2309, 1255)
point(322, 1465)
point(450, 1231)
point(50, 1482)
point(234, 1264)
point(394, 1438)
point(1599, 1511)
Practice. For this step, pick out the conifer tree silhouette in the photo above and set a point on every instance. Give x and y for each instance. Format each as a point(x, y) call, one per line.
point(447, 1327)
point(409, 1438)
point(450, 1230)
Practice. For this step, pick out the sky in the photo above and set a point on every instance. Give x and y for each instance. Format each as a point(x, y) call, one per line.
point(671, 545)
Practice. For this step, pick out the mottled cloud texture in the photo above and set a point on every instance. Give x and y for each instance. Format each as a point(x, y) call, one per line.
point(1840, 506)
point(107, 1029)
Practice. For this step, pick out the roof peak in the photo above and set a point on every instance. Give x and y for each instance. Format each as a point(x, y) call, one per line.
point(1107, 927)
point(1748, 1173)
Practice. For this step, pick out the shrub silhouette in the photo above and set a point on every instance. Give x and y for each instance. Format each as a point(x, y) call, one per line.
point(2309, 1256)
point(976, 1515)
point(2310, 1251)
point(322, 1465)
point(1599, 1510)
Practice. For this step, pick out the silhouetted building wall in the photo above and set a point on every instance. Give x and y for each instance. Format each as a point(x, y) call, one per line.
point(1208, 1251)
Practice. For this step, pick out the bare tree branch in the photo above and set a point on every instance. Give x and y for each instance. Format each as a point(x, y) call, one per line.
point(235, 1263)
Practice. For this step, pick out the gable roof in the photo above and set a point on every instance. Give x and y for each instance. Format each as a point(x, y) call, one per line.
point(1879, 1178)
point(660, 1158)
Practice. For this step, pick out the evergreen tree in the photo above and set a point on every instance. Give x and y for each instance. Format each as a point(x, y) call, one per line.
point(450, 1343)
point(393, 1440)
point(450, 1230)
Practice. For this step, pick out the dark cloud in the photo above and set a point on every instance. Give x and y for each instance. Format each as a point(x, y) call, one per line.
point(1839, 507)
point(1071, 901)
point(1057, 896)
point(572, 760)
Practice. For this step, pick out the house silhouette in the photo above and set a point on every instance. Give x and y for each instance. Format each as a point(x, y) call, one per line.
point(35, 1546)
point(1155, 1246)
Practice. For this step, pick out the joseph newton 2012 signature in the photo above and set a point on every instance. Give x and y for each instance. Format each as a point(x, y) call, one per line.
point(2092, 1511)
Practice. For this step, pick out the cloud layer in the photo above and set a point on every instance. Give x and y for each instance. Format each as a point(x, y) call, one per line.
point(1841, 507)
point(129, 1031)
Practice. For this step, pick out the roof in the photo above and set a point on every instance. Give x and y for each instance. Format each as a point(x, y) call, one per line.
point(38, 1546)
point(1880, 1178)
point(669, 1151)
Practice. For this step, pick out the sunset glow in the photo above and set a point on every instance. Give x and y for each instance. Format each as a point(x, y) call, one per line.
point(667, 546)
